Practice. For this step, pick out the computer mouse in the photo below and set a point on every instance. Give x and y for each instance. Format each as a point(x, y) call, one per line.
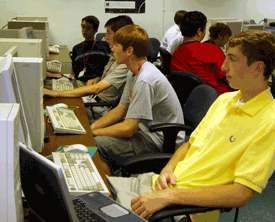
point(60, 105)
point(63, 78)
point(76, 148)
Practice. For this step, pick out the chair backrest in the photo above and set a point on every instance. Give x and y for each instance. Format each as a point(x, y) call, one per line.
point(153, 49)
point(198, 103)
point(166, 60)
point(184, 82)
point(99, 36)
point(273, 86)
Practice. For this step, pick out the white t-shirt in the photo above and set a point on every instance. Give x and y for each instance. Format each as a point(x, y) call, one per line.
point(175, 43)
point(169, 35)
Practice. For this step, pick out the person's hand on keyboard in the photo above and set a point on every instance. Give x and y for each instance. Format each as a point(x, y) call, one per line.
point(50, 93)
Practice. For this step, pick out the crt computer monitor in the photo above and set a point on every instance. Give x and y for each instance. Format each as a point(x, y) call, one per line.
point(236, 26)
point(10, 187)
point(10, 93)
point(253, 27)
point(212, 21)
point(30, 82)
point(31, 48)
point(26, 33)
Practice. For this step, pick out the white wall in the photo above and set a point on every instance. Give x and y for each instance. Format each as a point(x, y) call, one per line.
point(65, 15)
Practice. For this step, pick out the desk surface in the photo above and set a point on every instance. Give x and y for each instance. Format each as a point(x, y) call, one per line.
point(64, 58)
point(55, 140)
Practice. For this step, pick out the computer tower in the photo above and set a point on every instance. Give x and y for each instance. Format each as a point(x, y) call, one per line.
point(30, 83)
point(11, 207)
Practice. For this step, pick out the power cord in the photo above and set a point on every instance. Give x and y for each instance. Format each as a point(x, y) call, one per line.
point(7, 23)
point(141, 5)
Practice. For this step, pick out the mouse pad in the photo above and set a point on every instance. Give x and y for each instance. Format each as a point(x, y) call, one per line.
point(91, 150)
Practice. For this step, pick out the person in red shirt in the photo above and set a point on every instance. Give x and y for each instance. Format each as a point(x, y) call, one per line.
point(204, 60)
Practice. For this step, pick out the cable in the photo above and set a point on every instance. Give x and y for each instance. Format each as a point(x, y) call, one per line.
point(141, 5)
point(4, 26)
point(7, 23)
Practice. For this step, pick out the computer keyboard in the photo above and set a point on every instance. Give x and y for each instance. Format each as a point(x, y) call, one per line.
point(54, 49)
point(61, 85)
point(80, 173)
point(54, 66)
point(64, 120)
point(84, 213)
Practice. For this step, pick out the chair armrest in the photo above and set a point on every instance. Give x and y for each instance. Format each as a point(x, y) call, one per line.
point(170, 132)
point(139, 164)
point(97, 104)
point(170, 126)
point(176, 210)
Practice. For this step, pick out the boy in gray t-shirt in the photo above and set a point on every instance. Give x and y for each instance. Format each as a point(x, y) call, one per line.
point(148, 98)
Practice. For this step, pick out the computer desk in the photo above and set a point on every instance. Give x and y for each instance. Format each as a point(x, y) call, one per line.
point(64, 58)
point(55, 140)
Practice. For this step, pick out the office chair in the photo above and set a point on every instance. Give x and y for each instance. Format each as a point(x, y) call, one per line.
point(99, 36)
point(273, 86)
point(194, 110)
point(111, 105)
point(184, 82)
point(166, 61)
point(197, 104)
point(153, 50)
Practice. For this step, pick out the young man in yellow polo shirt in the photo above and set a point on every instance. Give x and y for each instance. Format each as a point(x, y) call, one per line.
point(230, 155)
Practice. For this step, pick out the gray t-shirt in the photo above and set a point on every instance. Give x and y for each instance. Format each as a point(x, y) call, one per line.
point(116, 75)
point(152, 99)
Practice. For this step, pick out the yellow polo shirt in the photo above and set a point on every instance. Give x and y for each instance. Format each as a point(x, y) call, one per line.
point(231, 144)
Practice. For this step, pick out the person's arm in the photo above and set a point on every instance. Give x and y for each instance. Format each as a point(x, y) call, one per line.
point(79, 92)
point(166, 175)
point(110, 125)
point(93, 81)
point(232, 195)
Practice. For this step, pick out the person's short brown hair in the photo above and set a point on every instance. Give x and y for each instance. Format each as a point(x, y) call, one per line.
point(191, 22)
point(118, 22)
point(134, 36)
point(178, 16)
point(256, 46)
point(219, 29)
point(93, 20)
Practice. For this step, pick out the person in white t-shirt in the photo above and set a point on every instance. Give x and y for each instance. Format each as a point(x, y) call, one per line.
point(174, 30)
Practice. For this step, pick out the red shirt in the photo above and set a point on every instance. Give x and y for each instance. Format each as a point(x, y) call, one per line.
point(202, 59)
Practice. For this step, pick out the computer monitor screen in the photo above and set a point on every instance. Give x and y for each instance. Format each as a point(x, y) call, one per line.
point(235, 26)
point(10, 93)
point(26, 33)
point(30, 35)
point(270, 29)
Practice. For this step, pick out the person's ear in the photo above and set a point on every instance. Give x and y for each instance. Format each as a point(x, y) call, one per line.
point(130, 51)
point(220, 37)
point(259, 67)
